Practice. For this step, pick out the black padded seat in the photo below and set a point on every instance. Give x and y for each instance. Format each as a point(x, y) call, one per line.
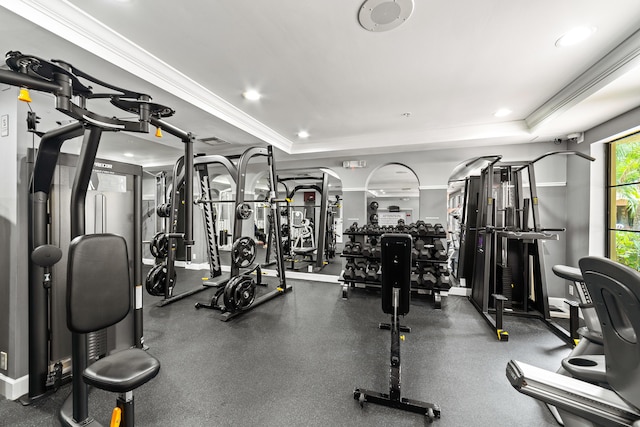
point(123, 371)
point(99, 294)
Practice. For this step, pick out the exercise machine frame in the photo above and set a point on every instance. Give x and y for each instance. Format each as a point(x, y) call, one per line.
point(238, 173)
point(63, 81)
point(496, 241)
point(396, 298)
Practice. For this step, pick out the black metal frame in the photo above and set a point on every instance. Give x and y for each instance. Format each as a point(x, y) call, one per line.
point(238, 173)
point(321, 185)
point(485, 296)
point(62, 80)
point(396, 296)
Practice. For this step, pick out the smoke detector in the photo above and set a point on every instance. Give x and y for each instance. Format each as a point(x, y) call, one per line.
point(384, 15)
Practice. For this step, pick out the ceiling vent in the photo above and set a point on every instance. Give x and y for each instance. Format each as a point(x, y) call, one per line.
point(384, 15)
point(213, 140)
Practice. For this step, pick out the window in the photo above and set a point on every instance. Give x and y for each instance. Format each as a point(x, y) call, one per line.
point(624, 201)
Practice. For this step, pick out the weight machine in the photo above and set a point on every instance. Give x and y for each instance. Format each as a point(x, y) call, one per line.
point(509, 276)
point(321, 234)
point(239, 292)
point(71, 95)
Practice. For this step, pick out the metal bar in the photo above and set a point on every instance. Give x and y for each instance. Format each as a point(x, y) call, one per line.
point(322, 228)
point(78, 196)
point(18, 79)
point(138, 336)
point(243, 163)
point(275, 212)
point(41, 178)
point(177, 183)
point(188, 196)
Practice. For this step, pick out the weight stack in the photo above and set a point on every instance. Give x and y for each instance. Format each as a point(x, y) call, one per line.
point(506, 279)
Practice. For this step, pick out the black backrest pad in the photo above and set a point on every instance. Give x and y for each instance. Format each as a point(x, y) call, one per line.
point(615, 290)
point(396, 270)
point(98, 286)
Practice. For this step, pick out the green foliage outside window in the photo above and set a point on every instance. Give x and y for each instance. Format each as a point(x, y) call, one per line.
point(624, 221)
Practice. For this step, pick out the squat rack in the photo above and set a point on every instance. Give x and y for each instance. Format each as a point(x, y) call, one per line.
point(321, 185)
point(238, 173)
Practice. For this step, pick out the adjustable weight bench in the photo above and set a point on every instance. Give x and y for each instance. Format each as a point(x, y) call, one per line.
point(396, 297)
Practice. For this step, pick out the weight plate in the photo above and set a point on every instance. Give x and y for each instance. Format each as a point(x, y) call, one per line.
point(156, 280)
point(243, 211)
point(244, 252)
point(159, 245)
point(239, 293)
point(373, 206)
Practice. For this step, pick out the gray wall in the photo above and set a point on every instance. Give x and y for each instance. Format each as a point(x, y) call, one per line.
point(13, 237)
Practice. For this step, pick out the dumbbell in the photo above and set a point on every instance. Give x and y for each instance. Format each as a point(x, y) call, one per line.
point(375, 252)
point(356, 248)
point(440, 251)
point(439, 230)
point(361, 271)
point(348, 248)
point(372, 272)
point(414, 254)
point(354, 227)
point(421, 229)
point(366, 251)
point(429, 280)
point(414, 277)
point(373, 240)
point(349, 270)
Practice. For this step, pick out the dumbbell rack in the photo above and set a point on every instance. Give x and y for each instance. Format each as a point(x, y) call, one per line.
point(366, 259)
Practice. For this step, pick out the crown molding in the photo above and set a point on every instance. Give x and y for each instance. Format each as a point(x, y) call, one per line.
point(622, 59)
point(514, 130)
point(76, 26)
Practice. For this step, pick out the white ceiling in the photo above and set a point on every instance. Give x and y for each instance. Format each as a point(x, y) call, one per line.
point(451, 65)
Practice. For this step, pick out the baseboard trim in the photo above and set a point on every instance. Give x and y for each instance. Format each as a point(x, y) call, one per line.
point(12, 389)
point(459, 291)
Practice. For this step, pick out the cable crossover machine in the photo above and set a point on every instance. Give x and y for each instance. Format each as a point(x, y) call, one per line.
point(501, 250)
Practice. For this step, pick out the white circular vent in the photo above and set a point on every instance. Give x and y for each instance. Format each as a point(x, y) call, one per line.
point(384, 15)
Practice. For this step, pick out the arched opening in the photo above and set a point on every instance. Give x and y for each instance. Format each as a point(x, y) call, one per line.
point(393, 193)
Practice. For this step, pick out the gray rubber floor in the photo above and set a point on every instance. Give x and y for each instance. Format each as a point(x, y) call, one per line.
point(295, 360)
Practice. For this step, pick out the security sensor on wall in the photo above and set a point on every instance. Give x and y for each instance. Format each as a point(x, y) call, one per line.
point(576, 137)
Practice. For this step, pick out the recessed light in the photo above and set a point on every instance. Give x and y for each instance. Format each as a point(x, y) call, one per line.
point(251, 95)
point(575, 36)
point(502, 112)
point(303, 134)
point(127, 154)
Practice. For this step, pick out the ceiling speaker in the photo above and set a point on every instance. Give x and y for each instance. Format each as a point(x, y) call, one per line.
point(384, 15)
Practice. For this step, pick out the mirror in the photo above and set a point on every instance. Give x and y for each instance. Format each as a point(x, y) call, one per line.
point(311, 236)
point(396, 190)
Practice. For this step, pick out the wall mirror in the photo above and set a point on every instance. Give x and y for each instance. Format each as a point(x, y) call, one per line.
point(393, 193)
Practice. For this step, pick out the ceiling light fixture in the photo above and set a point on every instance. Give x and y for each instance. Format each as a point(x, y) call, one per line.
point(251, 95)
point(502, 112)
point(303, 134)
point(127, 154)
point(575, 36)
